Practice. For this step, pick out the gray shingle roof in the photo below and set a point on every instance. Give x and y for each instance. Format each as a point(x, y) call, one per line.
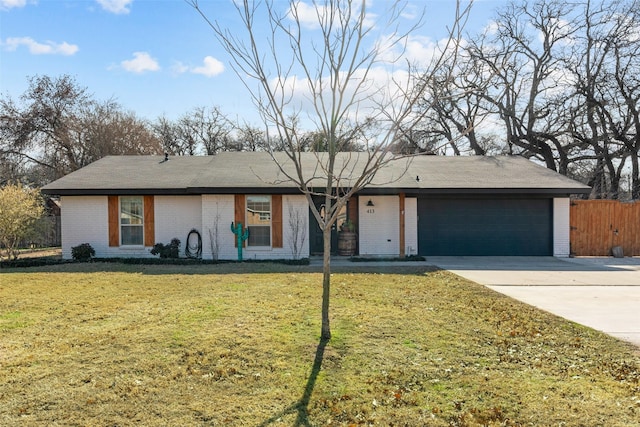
point(235, 172)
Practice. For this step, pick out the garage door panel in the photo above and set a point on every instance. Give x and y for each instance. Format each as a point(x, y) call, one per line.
point(485, 227)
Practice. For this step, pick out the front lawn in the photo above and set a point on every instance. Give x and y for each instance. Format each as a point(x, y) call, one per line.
point(106, 344)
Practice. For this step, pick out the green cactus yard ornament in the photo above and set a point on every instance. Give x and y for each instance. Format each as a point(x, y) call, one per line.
point(240, 237)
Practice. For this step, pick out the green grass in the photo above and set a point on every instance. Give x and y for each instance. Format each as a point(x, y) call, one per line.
point(12, 320)
point(106, 344)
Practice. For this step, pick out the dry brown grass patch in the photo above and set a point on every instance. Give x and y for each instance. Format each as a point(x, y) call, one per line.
point(168, 345)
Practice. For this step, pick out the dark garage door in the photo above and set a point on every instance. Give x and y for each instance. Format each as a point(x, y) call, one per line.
point(518, 227)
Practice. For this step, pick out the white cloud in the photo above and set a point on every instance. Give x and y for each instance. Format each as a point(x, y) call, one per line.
point(120, 7)
point(36, 48)
point(8, 4)
point(416, 50)
point(211, 67)
point(307, 14)
point(492, 28)
point(141, 62)
point(179, 68)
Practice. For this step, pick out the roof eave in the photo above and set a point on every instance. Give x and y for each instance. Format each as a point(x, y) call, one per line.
point(477, 191)
point(290, 190)
point(113, 191)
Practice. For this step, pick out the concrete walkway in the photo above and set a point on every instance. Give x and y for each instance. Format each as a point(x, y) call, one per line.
point(602, 293)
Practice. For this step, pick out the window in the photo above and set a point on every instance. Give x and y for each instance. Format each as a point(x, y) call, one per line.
point(259, 220)
point(131, 220)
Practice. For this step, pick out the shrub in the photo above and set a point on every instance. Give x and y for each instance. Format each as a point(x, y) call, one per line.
point(348, 225)
point(83, 252)
point(172, 250)
point(20, 212)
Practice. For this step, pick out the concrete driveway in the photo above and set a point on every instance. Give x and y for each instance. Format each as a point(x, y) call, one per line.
point(602, 293)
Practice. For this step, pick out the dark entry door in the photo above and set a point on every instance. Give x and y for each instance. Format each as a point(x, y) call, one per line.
point(316, 246)
point(476, 227)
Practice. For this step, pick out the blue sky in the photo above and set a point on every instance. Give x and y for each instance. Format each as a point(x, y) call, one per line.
point(154, 57)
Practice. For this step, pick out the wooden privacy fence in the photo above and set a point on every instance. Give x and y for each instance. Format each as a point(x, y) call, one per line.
point(599, 225)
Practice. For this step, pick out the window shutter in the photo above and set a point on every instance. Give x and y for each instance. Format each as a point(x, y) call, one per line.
point(352, 212)
point(276, 221)
point(402, 224)
point(239, 216)
point(149, 221)
point(114, 223)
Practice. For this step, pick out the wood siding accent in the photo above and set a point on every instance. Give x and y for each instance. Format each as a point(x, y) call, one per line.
point(149, 221)
point(276, 221)
point(239, 216)
point(113, 207)
point(599, 225)
point(352, 214)
point(352, 210)
point(402, 225)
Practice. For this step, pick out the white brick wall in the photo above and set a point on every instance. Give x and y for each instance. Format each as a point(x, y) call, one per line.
point(293, 204)
point(411, 226)
point(222, 208)
point(218, 213)
point(379, 226)
point(84, 220)
point(297, 202)
point(175, 216)
point(561, 227)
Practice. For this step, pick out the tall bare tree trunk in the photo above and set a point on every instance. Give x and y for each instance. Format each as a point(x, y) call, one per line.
point(326, 283)
point(338, 68)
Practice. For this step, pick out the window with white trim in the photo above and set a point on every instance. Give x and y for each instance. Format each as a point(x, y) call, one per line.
point(258, 220)
point(131, 220)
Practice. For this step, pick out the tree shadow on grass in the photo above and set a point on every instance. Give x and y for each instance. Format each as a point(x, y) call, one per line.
point(302, 405)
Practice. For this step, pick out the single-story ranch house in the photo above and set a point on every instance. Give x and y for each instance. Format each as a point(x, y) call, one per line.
point(428, 205)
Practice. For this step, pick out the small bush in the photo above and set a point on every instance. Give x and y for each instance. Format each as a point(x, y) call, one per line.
point(172, 250)
point(82, 252)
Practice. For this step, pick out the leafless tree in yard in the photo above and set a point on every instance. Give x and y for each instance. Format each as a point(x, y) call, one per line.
point(297, 230)
point(334, 60)
point(214, 234)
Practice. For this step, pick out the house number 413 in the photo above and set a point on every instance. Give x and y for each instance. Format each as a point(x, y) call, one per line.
point(371, 210)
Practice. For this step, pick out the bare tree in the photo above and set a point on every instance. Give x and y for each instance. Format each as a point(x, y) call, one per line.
point(168, 132)
point(558, 81)
point(214, 234)
point(43, 128)
point(604, 109)
point(331, 58)
point(205, 130)
point(57, 127)
point(297, 230)
point(107, 130)
point(250, 138)
point(522, 56)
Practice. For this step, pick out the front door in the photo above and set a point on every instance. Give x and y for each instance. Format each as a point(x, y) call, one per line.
point(316, 246)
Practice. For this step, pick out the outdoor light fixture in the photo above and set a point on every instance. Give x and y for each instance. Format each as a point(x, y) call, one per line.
point(370, 203)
